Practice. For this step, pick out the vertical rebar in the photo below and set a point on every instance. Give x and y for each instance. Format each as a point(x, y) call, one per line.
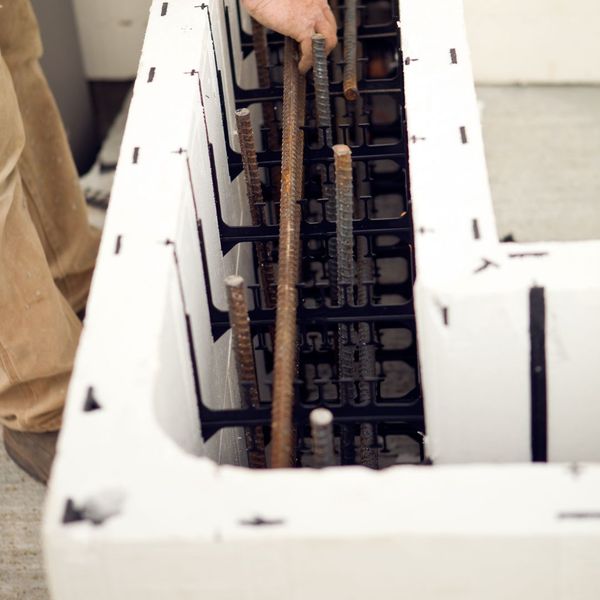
point(321, 82)
point(243, 352)
point(368, 453)
point(294, 96)
point(345, 275)
point(255, 201)
point(263, 66)
point(321, 426)
point(350, 45)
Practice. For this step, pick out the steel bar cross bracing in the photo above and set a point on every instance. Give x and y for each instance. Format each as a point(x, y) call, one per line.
point(289, 259)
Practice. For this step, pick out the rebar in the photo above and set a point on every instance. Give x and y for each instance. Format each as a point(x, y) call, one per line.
point(350, 45)
point(285, 366)
point(321, 426)
point(243, 353)
point(256, 203)
point(345, 275)
point(321, 82)
point(368, 453)
point(261, 52)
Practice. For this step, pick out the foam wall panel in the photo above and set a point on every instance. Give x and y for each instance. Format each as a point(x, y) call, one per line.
point(504, 348)
point(141, 508)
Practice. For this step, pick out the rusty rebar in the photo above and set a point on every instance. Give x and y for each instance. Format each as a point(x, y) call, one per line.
point(368, 453)
point(256, 203)
point(243, 353)
point(263, 68)
point(350, 51)
point(321, 426)
point(284, 372)
point(345, 277)
point(321, 82)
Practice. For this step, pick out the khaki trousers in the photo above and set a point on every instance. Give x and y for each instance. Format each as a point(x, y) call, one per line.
point(47, 249)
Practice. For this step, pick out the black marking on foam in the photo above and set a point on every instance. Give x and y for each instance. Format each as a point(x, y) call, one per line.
point(476, 233)
point(91, 403)
point(118, 244)
point(261, 522)
point(539, 400)
point(463, 135)
point(528, 254)
point(71, 513)
point(453, 56)
point(136, 155)
point(151, 74)
point(164, 8)
point(445, 316)
point(485, 265)
point(579, 515)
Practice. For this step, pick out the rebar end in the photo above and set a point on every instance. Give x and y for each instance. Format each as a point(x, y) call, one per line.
point(351, 94)
point(235, 281)
point(242, 112)
point(321, 417)
point(341, 150)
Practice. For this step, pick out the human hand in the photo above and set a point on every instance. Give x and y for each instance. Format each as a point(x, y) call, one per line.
point(298, 19)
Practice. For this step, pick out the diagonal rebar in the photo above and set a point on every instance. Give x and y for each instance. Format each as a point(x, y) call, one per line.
point(284, 372)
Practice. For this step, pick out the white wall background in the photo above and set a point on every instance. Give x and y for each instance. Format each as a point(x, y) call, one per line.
point(512, 41)
point(538, 41)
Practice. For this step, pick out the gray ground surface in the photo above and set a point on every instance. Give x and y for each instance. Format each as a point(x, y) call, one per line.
point(21, 574)
point(543, 151)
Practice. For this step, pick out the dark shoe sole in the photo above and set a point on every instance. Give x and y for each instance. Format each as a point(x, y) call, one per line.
point(32, 452)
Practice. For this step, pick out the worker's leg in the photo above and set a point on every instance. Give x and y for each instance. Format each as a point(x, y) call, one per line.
point(38, 328)
point(56, 204)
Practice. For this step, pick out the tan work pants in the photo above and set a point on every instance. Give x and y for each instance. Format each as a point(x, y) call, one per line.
point(47, 249)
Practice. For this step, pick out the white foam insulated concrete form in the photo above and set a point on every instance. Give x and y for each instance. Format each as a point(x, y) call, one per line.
point(509, 333)
point(140, 508)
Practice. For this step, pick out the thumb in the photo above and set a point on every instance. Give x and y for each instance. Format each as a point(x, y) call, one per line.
point(306, 55)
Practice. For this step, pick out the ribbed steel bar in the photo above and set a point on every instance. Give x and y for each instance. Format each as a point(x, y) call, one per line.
point(284, 372)
point(345, 275)
point(368, 453)
point(261, 51)
point(243, 352)
point(350, 52)
point(321, 82)
point(321, 426)
point(255, 201)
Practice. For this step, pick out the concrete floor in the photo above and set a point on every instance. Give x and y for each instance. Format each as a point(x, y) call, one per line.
point(543, 152)
point(21, 573)
point(542, 146)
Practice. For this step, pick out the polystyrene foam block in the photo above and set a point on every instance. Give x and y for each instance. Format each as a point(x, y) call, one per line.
point(140, 507)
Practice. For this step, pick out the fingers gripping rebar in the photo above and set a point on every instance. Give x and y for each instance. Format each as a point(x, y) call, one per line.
point(294, 93)
point(244, 360)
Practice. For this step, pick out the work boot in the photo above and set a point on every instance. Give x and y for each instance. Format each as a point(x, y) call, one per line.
point(32, 452)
